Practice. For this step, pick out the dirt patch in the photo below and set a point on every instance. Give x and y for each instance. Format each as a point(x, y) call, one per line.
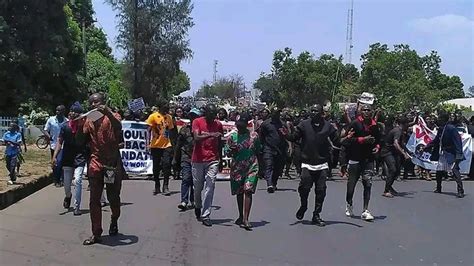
point(37, 164)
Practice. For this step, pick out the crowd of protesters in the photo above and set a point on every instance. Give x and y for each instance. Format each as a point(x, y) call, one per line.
point(362, 145)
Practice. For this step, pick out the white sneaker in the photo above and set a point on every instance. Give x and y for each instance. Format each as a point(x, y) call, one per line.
point(349, 210)
point(366, 216)
point(182, 206)
point(10, 182)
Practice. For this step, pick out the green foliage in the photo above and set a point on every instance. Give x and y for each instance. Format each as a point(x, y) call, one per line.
point(118, 94)
point(400, 78)
point(34, 114)
point(179, 84)
point(315, 80)
point(231, 87)
point(451, 108)
point(101, 71)
point(268, 85)
point(83, 11)
point(470, 91)
point(96, 41)
point(40, 54)
point(153, 35)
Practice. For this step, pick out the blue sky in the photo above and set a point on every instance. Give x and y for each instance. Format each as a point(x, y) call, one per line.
point(242, 34)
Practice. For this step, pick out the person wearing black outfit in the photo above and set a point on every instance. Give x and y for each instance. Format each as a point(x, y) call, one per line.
point(391, 154)
point(74, 158)
point(470, 130)
point(315, 134)
point(447, 150)
point(362, 147)
point(274, 149)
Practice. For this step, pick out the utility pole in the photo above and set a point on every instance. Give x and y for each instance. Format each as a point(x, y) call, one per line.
point(84, 48)
point(214, 77)
point(135, 48)
point(349, 45)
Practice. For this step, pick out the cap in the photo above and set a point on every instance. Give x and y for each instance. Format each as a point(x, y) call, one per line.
point(195, 111)
point(76, 108)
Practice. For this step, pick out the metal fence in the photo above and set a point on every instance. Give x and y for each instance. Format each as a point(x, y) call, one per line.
point(5, 124)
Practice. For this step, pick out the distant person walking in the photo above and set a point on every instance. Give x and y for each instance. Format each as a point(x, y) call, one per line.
point(12, 139)
point(52, 130)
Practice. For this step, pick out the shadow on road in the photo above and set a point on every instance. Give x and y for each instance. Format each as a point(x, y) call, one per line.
point(259, 224)
point(221, 222)
point(286, 189)
point(307, 222)
point(340, 222)
point(119, 240)
point(216, 207)
point(174, 192)
point(407, 194)
point(280, 189)
point(454, 194)
point(382, 217)
point(126, 203)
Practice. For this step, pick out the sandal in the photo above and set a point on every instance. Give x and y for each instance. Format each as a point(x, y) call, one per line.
point(247, 226)
point(92, 240)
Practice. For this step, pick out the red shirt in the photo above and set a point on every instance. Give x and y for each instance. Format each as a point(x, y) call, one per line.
point(104, 144)
point(206, 150)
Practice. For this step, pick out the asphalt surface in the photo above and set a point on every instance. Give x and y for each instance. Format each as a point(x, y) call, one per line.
point(420, 228)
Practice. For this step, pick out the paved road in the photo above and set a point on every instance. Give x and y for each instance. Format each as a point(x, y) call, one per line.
point(421, 228)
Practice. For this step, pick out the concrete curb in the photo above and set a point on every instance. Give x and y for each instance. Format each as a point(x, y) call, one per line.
point(16, 194)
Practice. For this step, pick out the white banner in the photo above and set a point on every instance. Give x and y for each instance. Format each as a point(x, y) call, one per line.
point(138, 161)
point(422, 135)
point(135, 157)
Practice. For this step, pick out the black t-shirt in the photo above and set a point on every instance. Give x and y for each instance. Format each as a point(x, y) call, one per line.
point(73, 154)
point(470, 130)
point(315, 148)
point(271, 137)
point(389, 148)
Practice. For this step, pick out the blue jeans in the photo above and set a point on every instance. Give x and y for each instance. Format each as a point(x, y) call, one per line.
point(11, 162)
point(57, 173)
point(69, 173)
point(187, 190)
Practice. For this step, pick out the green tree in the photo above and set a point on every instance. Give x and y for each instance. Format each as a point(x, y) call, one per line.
point(154, 36)
point(96, 41)
point(268, 85)
point(229, 88)
point(318, 79)
point(179, 84)
point(400, 78)
point(40, 54)
point(470, 91)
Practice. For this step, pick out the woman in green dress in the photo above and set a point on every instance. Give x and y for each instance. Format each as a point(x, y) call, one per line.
point(243, 147)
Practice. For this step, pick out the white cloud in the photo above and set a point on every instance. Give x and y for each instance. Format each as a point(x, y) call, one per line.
point(444, 24)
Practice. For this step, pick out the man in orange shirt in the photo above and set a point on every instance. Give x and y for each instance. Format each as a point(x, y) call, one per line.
point(162, 131)
point(104, 136)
